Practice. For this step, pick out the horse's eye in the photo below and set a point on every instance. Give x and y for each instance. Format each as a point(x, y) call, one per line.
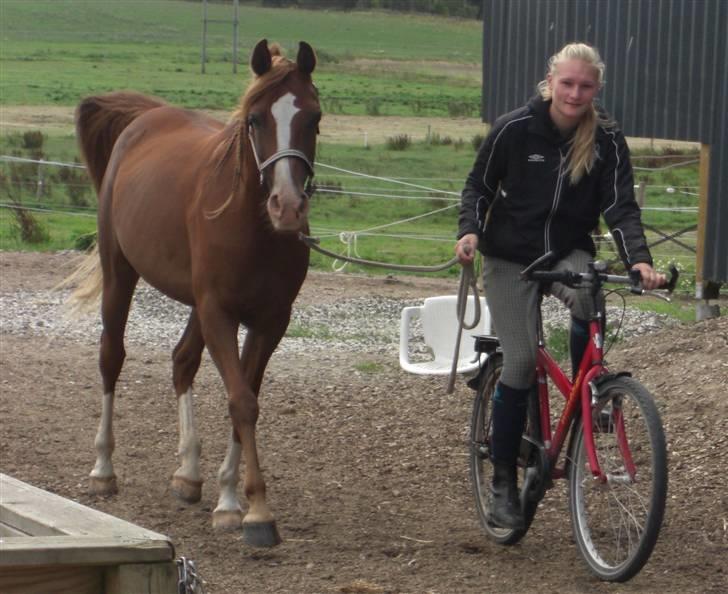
point(253, 120)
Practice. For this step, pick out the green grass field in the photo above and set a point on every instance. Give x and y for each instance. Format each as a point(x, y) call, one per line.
point(55, 52)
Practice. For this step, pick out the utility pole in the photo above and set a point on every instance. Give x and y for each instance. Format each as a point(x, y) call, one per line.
point(236, 21)
point(204, 34)
point(236, 27)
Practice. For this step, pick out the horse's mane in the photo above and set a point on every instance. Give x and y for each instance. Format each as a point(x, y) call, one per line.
point(237, 142)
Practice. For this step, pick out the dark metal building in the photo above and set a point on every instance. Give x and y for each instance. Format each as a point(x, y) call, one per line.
point(667, 77)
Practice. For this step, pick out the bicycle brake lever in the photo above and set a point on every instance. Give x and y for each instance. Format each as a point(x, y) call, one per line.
point(672, 282)
point(547, 257)
point(659, 296)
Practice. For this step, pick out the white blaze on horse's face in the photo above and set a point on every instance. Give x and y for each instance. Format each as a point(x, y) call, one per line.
point(287, 204)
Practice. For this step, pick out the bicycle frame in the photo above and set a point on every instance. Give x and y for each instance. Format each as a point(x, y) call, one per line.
point(577, 393)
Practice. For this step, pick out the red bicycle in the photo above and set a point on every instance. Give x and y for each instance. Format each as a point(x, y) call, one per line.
point(615, 464)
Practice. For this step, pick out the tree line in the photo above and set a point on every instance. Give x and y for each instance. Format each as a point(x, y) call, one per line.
point(453, 8)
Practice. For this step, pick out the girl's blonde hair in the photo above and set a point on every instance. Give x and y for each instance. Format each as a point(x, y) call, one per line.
point(581, 150)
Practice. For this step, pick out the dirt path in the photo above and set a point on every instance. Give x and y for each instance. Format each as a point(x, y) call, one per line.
point(366, 465)
point(334, 128)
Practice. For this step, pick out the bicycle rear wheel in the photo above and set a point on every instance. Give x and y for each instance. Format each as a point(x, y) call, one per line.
point(481, 467)
point(616, 522)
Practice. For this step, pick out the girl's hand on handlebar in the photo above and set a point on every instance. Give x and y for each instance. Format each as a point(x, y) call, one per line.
point(651, 279)
point(465, 248)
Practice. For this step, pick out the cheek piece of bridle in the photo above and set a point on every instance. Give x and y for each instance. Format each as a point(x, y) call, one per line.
point(282, 154)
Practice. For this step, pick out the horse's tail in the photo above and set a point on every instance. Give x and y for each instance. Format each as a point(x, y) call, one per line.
point(87, 280)
point(99, 122)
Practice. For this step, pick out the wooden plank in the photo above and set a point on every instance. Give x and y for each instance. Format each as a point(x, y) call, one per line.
point(6, 530)
point(38, 512)
point(86, 550)
point(142, 578)
point(42, 580)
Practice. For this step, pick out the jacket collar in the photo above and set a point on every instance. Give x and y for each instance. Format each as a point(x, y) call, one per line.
point(541, 123)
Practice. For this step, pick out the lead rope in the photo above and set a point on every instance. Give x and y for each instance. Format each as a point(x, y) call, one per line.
point(313, 243)
point(468, 283)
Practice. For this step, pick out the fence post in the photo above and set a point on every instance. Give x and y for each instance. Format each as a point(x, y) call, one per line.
point(641, 191)
point(39, 183)
point(704, 290)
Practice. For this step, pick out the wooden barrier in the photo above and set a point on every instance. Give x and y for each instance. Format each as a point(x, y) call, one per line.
point(50, 544)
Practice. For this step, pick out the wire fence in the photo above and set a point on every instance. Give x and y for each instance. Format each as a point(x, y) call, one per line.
point(672, 237)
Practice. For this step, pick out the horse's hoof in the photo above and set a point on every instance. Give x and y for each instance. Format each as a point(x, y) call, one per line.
point(261, 534)
point(227, 520)
point(186, 489)
point(102, 485)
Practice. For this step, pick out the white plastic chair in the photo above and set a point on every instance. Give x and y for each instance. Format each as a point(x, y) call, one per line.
point(440, 327)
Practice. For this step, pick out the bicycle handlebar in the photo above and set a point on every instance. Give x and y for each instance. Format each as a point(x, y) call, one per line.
point(597, 272)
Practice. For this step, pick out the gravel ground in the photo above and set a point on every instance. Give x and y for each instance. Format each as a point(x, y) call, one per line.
point(370, 323)
point(366, 466)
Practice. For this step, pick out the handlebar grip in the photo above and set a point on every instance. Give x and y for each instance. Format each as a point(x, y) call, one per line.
point(635, 281)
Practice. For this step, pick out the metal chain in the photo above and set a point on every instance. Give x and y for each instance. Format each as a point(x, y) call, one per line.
point(189, 582)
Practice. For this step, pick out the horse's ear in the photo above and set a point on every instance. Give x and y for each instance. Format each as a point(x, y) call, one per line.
point(261, 61)
point(306, 58)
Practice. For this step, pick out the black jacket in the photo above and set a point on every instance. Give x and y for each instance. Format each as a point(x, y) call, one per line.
point(521, 203)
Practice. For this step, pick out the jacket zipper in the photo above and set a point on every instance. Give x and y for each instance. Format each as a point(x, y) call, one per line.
point(554, 205)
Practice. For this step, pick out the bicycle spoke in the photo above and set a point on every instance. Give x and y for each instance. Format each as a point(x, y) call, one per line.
point(616, 521)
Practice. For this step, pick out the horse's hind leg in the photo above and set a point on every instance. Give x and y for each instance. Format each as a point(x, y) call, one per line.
point(119, 283)
point(187, 480)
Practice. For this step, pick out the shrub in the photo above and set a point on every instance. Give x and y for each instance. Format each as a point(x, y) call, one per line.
point(459, 108)
point(477, 141)
point(437, 140)
point(372, 106)
point(401, 142)
point(26, 226)
point(85, 242)
point(77, 185)
point(33, 140)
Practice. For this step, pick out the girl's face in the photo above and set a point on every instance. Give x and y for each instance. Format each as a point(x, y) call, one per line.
point(574, 84)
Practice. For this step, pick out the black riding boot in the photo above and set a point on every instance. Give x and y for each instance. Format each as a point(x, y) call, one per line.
point(505, 511)
point(509, 419)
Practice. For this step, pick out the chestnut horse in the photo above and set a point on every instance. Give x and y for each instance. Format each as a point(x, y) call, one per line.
point(209, 214)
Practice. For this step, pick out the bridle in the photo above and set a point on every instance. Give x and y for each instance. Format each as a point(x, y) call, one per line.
point(282, 154)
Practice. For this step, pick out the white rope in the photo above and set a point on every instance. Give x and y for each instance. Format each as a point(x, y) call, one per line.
point(387, 179)
point(40, 162)
point(372, 195)
point(46, 210)
point(671, 166)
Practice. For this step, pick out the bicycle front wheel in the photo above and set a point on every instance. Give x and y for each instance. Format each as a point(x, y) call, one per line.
point(616, 521)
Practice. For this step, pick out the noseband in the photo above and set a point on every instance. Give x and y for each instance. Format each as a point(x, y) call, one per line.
point(282, 154)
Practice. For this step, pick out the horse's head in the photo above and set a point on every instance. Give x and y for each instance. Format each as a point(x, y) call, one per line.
point(282, 121)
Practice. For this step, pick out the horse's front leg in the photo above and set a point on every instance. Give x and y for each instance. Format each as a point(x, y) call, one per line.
point(259, 527)
point(242, 377)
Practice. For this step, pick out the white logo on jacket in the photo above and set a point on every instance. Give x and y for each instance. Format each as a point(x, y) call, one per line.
point(535, 158)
